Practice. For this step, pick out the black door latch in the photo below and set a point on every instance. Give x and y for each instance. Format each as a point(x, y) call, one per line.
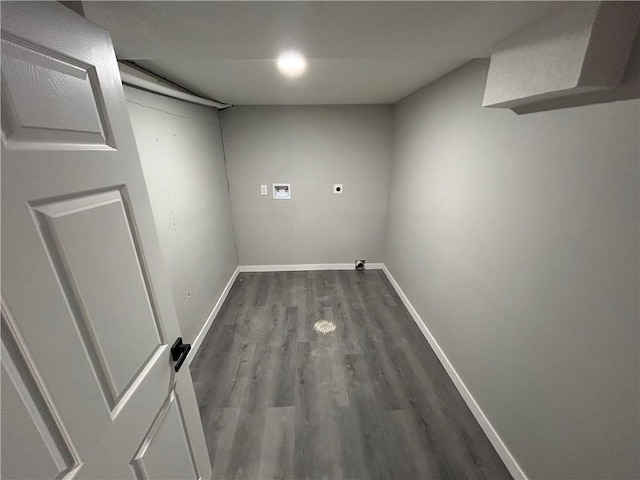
point(179, 352)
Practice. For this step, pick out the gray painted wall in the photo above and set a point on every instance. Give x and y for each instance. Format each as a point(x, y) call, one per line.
point(516, 238)
point(312, 148)
point(181, 151)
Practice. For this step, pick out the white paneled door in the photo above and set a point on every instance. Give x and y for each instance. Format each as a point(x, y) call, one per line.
point(89, 388)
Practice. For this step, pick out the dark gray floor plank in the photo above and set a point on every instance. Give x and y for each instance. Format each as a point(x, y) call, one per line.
point(220, 426)
point(246, 448)
point(276, 460)
point(285, 367)
point(317, 446)
point(367, 401)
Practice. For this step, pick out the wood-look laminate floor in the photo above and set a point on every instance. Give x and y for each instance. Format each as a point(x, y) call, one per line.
point(369, 400)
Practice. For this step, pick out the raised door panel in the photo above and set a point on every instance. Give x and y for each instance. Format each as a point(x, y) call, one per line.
point(165, 453)
point(33, 444)
point(49, 101)
point(91, 242)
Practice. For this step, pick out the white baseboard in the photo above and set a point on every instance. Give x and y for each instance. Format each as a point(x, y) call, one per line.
point(212, 316)
point(502, 450)
point(306, 267)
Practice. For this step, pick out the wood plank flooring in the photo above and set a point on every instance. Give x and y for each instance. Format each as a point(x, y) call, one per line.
point(367, 401)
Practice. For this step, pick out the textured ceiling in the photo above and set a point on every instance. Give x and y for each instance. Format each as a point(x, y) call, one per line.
point(358, 52)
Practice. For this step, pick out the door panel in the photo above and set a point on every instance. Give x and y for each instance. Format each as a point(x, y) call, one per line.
point(166, 435)
point(82, 270)
point(30, 80)
point(39, 443)
point(90, 238)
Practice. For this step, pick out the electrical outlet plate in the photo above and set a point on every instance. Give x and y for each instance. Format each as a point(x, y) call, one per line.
point(263, 190)
point(337, 188)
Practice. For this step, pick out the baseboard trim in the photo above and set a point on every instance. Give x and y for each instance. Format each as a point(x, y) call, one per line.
point(502, 450)
point(212, 316)
point(306, 267)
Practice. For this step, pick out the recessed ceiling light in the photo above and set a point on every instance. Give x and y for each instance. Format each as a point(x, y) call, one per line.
point(291, 64)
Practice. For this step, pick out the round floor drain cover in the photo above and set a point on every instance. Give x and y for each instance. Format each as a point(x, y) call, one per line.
point(324, 326)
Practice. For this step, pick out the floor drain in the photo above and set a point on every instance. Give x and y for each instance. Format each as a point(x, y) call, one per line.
point(324, 326)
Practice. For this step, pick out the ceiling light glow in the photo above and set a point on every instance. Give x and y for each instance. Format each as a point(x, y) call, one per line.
point(291, 64)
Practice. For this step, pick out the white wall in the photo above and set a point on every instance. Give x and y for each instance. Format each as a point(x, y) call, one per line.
point(517, 239)
point(312, 148)
point(180, 147)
